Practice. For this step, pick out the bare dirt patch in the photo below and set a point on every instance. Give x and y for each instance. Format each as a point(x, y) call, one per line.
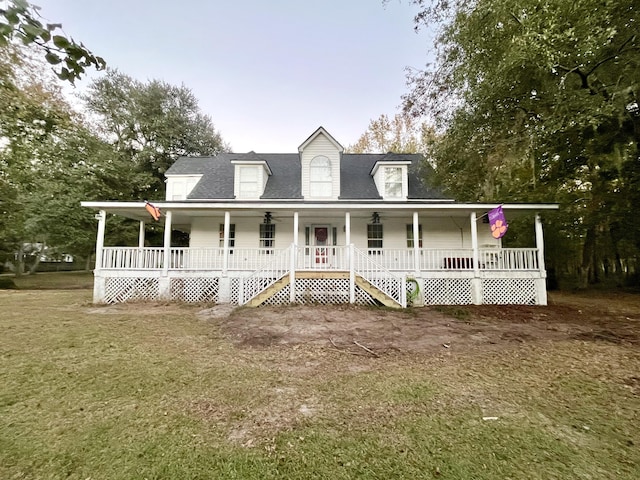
point(372, 331)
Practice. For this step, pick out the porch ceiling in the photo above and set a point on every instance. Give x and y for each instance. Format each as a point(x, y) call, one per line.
point(184, 211)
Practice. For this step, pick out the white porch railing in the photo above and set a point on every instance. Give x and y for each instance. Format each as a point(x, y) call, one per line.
point(252, 258)
point(509, 259)
point(393, 286)
point(322, 258)
point(319, 258)
point(393, 258)
point(131, 258)
point(185, 258)
point(266, 276)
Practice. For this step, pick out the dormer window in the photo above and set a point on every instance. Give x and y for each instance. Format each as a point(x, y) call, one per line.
point(393, 182)
point(248, 182)
point(250, 178)
point(320, 182)
point(391, 179)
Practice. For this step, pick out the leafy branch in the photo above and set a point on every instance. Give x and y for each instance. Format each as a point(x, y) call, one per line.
point(20, 20)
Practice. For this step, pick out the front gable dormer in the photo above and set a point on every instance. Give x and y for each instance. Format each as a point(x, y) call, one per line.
point(391, 178)
point(320, 156)
point(250, 176)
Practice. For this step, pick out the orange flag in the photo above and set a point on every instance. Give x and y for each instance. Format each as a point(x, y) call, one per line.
point(153, 210)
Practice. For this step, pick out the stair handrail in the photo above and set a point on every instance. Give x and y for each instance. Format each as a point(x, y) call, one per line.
point(384, 281)
point(261, 279)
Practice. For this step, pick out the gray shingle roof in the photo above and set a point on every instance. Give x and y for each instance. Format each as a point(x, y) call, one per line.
point(356, 182)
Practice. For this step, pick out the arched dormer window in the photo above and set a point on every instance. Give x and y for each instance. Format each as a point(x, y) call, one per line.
point(320, 184)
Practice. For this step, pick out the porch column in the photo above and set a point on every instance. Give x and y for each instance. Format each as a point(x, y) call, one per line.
point(225, 248)
point(141, 235)
point(542, 282)
point(295, 228)
point(102, 220)
point(294, 256)
point(98, 279)
point(347, 228)
point(416, 244)
point(164, 282)
point(540, 244)
point(167, 243)
point(352, 274)
point(476, 282)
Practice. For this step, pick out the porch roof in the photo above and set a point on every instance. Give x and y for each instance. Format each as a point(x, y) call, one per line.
point(184, 210)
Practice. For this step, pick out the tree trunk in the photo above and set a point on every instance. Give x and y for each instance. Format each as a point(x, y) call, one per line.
point(35, 265)
point(87, 265)
point(20, 262)
point(588, 253)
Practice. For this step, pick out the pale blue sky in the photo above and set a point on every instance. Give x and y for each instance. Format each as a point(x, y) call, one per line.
point(267, 72)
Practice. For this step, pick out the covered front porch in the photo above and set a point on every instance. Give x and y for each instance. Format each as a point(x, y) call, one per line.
point(321, 255)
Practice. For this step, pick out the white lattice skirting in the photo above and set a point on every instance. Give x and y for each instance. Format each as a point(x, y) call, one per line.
point(447, 291)
point(503, 291)
point(194, 290)
point(320, 292)
point(120, 290)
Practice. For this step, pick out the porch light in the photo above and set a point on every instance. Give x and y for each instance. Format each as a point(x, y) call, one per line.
point(375, 218)
point(267, 218)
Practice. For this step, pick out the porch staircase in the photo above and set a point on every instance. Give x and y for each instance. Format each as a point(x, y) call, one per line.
point(268, 292)
point(360, 281)
point(376, 293)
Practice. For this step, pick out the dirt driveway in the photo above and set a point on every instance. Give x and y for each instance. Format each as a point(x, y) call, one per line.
point(613, 318)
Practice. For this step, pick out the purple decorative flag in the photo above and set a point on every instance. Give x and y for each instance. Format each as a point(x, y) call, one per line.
point(498, 222)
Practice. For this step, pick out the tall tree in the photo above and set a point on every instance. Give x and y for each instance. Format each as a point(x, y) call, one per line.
point(151, 124)
point(539, 101)
point(403, 134)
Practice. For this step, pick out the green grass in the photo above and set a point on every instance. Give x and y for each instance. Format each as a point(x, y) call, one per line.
point(150, 391)
point(54, 280)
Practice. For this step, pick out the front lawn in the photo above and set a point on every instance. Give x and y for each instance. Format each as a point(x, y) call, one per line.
point(154, 391)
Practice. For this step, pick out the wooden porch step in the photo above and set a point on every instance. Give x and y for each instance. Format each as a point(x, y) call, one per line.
point(322, 274)
point(269, 292)
point(376, 293)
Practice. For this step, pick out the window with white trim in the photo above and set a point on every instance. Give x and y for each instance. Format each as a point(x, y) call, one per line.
point(320, 182)
point(232, 236)
point(393, 182)
point(267, 236)
point(374, 235)
point(248, 182)
point(410, 235)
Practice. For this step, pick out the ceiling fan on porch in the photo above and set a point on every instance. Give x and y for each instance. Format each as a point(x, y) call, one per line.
point(269, 218)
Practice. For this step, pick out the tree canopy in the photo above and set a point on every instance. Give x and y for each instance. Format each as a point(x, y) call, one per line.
point(538, 101)
point(402, 133)
point(52, 157)
point(151, 124)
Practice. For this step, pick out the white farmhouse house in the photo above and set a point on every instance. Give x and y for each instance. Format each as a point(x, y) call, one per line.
point(317, 226)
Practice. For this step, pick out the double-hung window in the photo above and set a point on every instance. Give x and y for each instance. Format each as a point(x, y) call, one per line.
point(393, 182)
point(267, 237)
point(410, 235)
point(374, 236)
point(248, 182)
point(232, 236)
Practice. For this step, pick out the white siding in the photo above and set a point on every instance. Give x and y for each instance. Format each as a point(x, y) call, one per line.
point(442, 232)
point(321, 145)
